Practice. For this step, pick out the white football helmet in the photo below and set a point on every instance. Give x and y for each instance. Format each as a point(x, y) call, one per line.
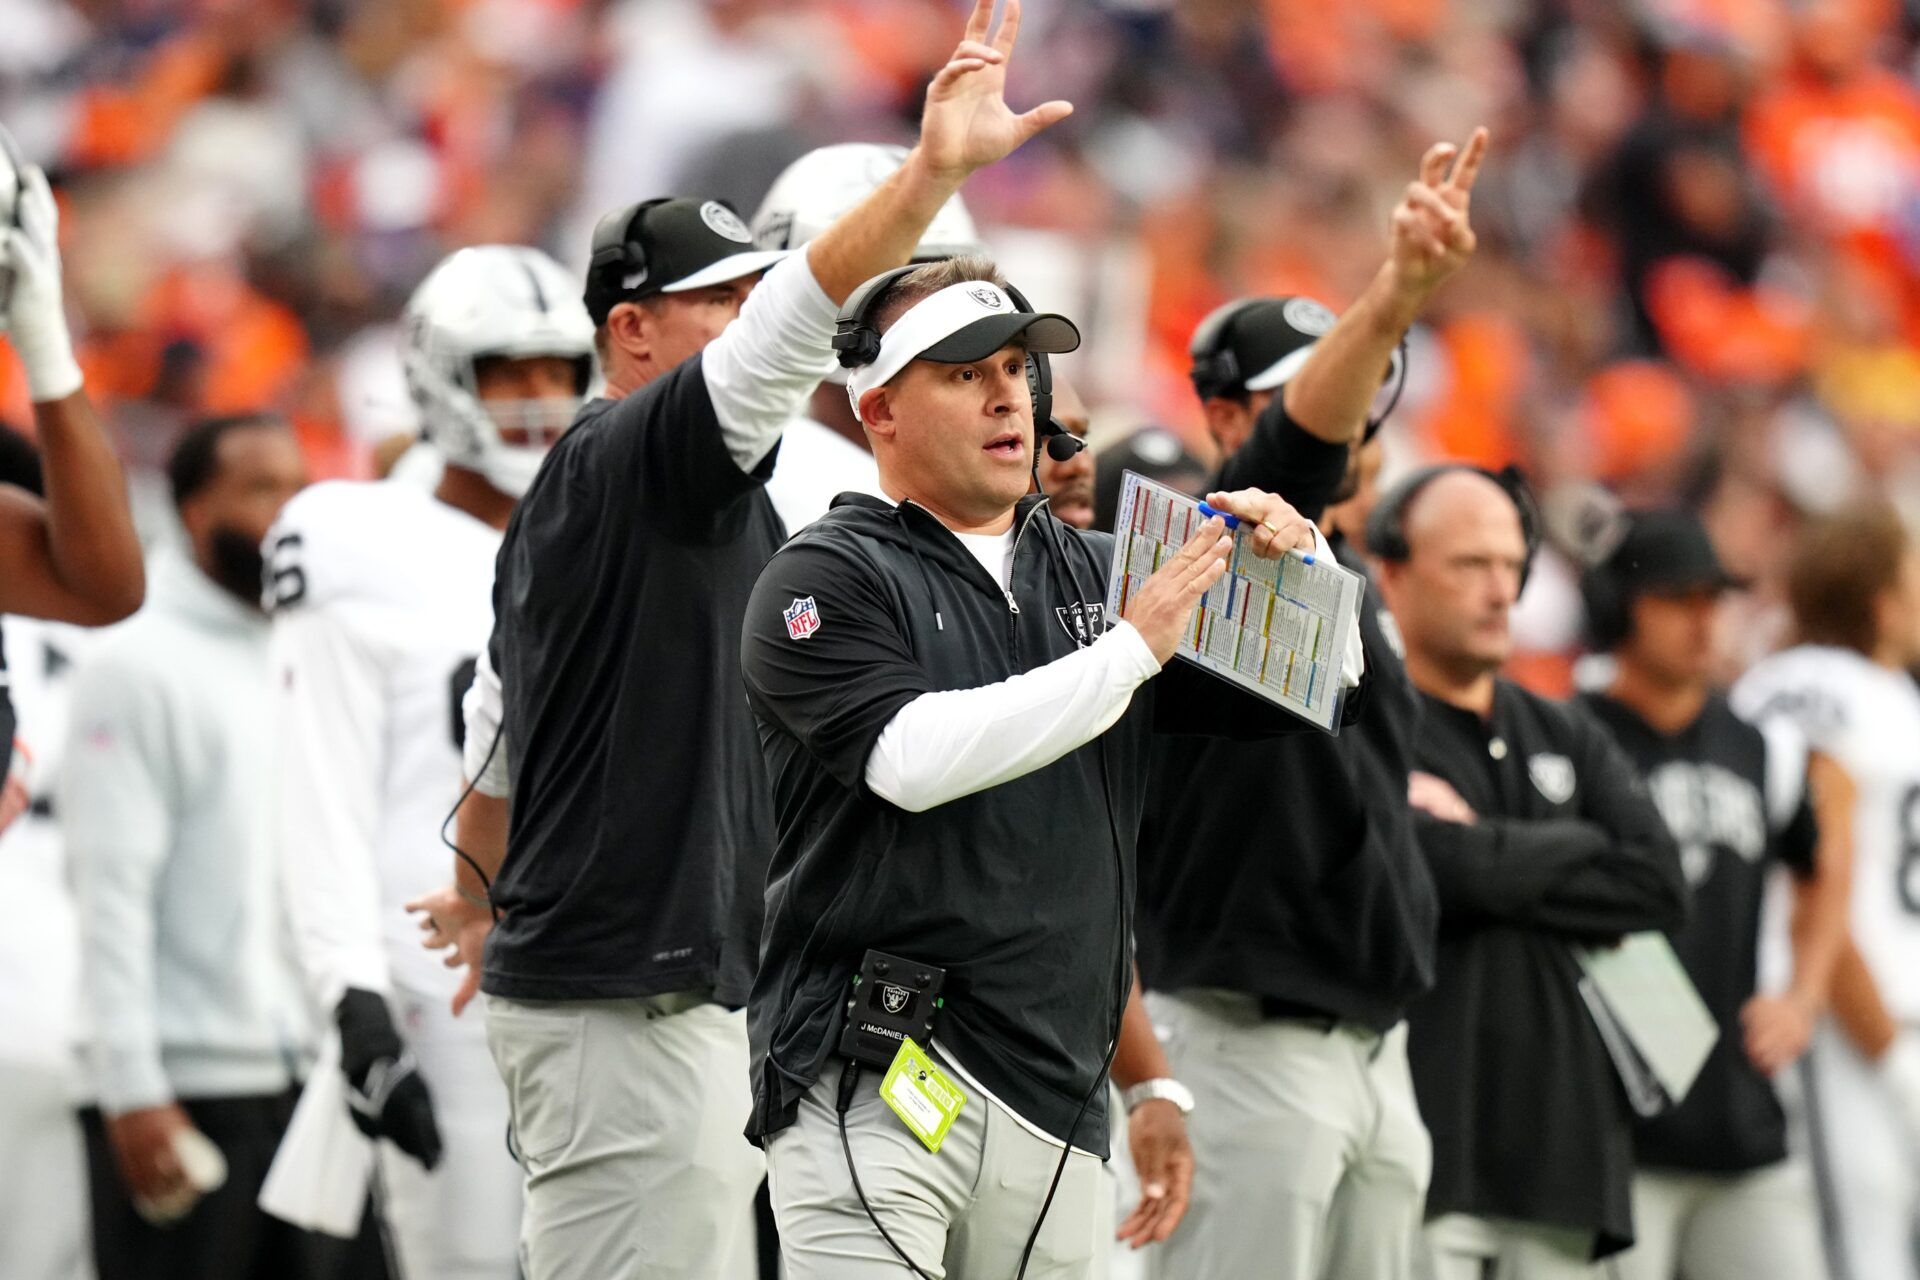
point(828, 181)
point(494, 300)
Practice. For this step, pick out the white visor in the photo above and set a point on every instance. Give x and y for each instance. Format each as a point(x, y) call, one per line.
point(960, 324)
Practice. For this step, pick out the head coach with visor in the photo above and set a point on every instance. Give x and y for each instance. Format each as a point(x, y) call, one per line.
point(957, 746)
point(630, 893)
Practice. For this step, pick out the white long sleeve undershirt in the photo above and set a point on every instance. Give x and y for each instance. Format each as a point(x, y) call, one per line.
point(761, 369)
point(954, 742)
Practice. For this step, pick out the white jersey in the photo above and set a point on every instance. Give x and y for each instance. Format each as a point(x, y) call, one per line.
point(1867, 718)
point(816, 465)
point(381, 597)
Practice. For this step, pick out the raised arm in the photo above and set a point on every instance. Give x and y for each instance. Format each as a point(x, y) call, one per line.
point(966, 125)
point(761, 369)
point(74, 556)
point(1431, 239)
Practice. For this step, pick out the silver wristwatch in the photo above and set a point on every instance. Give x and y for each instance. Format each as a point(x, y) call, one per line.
point(1165, 1087)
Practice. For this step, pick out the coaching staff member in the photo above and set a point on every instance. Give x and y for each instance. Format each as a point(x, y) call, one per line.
point(640, 824)
point(1717, 1196)
point(1539, 835)
point(957, 756)
point(1283, 935)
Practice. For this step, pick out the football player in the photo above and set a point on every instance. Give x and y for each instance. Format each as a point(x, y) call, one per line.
point(1854, 588)
point(381, 596)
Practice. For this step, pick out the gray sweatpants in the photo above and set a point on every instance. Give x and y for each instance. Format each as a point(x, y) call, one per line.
point(1310, 1157)
point(1727, 1227)
point(1462, 1247)
point(628, 1117)
point(962, 1214)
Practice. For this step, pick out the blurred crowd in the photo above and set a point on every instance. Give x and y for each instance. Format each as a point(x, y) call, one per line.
point(1697, 280)
point(1699, 226)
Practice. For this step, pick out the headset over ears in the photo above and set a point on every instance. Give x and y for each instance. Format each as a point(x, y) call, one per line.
point(614, 247)
point(1387, 525)
point(856, 337)
point(1216, 371)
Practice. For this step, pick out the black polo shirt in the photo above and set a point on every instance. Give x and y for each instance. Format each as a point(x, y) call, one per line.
point(1709, 781)
point(1528, 1118)
point(641, 826)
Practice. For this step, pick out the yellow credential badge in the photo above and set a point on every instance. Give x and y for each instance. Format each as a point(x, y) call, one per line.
point(921, 1095)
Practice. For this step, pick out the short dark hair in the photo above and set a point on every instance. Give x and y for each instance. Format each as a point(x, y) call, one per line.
point(195, 461)
point(923, 282)
point(1841, 566)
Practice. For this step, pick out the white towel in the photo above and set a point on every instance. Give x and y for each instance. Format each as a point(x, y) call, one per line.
point(320, 1174)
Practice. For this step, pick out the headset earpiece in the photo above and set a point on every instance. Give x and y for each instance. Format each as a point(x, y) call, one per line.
point(1039, 377)
point(1216, 370)
point(856, 336)
point(1387, 526)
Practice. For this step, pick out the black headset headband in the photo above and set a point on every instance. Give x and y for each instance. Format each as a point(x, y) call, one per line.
point(856, 337)
point(1216, 370)
point(1387, 525)
point(614, 246)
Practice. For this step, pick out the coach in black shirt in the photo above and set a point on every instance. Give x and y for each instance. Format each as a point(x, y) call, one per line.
point(1717, 1197)
point(640, 825)
point(1281, 936)
point(957, 752)
point(1540, 835)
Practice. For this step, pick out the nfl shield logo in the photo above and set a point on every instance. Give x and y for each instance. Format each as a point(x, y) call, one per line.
point(803, 618)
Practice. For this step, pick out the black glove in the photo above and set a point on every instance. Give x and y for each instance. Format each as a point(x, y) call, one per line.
point(385, 1093)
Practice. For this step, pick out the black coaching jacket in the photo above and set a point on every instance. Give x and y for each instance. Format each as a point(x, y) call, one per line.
point(1022, 892)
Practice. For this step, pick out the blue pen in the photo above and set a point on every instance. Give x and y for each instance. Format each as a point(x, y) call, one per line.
point(1233, 522)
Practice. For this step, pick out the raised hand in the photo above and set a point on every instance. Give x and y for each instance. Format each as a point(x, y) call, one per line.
point(967, 124)
point(1163, 606)
point(36, 315)
point(1432, 236)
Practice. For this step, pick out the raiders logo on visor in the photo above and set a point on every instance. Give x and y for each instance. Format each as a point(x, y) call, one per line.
point(986, 296)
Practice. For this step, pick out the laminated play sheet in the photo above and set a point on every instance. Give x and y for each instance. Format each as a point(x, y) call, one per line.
point(1278, 628)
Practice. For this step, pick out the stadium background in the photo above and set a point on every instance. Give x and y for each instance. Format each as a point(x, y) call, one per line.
point(1699, 227)
point(1699, 223)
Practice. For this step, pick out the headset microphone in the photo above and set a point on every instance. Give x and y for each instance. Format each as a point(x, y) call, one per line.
point(1061, 443)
